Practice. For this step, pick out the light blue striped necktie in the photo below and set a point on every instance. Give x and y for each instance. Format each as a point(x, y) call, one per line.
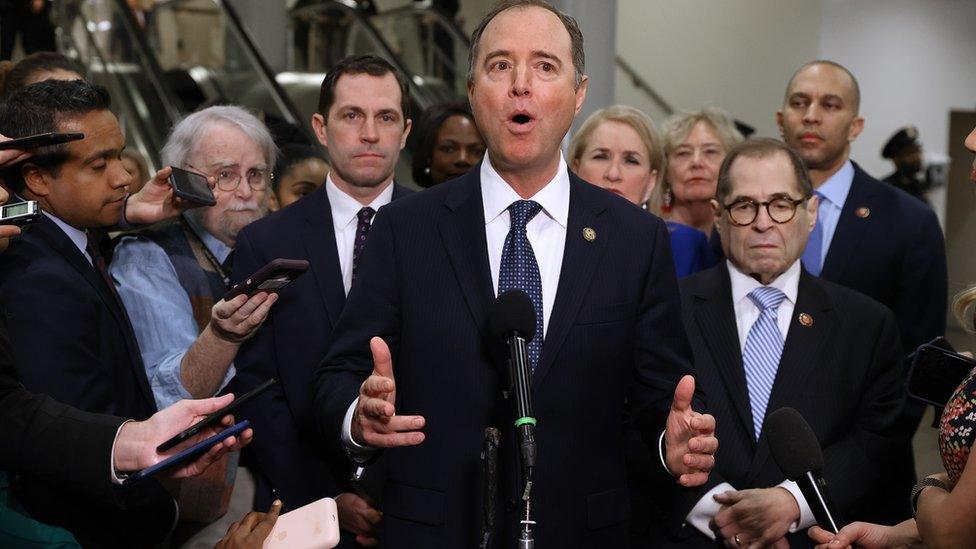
point(764, 347)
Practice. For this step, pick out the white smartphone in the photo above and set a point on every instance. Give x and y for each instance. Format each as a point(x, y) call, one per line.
point(314, 526)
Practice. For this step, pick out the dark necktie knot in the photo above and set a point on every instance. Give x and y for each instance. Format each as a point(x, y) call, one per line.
point(365, 215)
point(522, 211)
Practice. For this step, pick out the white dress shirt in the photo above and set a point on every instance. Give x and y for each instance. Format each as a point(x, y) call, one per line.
point(746, 314)
point(345, 220)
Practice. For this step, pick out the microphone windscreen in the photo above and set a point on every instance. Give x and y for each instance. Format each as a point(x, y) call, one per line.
point(792, 442)
point(512, 312)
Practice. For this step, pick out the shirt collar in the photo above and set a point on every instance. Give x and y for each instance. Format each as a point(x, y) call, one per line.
point(78, 237)
point(497, 195)
point(345, 209)
point(742, 284)
point(836, 188)
point(216, 247)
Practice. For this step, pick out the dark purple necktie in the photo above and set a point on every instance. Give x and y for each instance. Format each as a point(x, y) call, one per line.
point(365, 216)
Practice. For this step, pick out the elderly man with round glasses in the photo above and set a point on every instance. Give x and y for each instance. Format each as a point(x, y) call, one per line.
point(766, 334)
point(171, 275)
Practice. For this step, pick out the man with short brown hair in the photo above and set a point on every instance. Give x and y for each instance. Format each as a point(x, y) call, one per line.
point(598, 272)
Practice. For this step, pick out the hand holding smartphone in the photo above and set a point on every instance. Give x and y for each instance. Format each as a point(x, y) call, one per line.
point(936, 372)
point(191, 186)
point(214, 418)
point(272, 277)
point(189, 454)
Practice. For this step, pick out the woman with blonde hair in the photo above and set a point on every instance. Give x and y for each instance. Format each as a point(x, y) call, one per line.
point(944, 503)
point(695, 144)
point(618, 149)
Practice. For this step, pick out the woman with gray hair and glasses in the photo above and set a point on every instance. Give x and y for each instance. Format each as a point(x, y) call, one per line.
point(695, 144)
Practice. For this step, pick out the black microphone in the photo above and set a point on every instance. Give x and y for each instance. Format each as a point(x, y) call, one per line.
point(797, 452)
point(512, 318)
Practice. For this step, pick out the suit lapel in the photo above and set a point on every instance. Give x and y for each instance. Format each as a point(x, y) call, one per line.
point(60, 242)
point(318, 237)
point(715, 317)
point(463, 233)
point(580, 258)
point(850, 227)
point(801, 353)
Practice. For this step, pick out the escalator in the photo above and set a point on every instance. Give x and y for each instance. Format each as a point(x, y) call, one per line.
point(161, 65)
point(183, 54)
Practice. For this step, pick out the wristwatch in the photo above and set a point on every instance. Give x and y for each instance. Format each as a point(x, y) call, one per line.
point(926, 482)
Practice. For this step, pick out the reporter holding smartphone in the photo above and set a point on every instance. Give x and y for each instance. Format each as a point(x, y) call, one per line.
point(172, 277)
point(41, 431)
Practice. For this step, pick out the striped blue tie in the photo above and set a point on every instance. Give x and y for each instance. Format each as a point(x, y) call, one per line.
point(519, 269)
point(764, 347)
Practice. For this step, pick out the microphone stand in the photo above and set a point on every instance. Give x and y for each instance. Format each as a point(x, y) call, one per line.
point(525, 425)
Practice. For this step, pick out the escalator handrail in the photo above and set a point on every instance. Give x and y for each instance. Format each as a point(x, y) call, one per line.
point(423, 98)
point(148, 60)
point(285, 106)
point(456, 31)
point(149, 150)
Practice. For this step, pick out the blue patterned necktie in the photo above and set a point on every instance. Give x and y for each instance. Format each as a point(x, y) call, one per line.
point(814, 251)
point(764, 347)
point(519, 269)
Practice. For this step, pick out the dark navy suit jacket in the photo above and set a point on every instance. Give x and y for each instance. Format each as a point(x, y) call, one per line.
point(288, 347)
point(888, 245)
point(72, 340)
point(841, 373)
point(614, 337)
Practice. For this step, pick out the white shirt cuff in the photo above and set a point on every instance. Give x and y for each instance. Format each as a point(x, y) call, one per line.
point(660, 454)
point(113, 474)
point(357, 452)
point(806, 515)
point(702, 514)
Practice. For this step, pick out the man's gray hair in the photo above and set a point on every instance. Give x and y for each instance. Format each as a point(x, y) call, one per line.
point(188, 133)
point(572, 27)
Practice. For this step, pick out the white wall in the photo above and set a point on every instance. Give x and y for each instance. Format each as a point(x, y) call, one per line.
point(915, 61)
point(735, 54)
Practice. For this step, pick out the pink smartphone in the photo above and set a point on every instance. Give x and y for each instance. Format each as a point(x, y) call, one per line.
point(314, 526)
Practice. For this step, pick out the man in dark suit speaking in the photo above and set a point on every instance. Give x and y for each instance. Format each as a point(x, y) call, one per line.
point(766, 334)
point(602, 283)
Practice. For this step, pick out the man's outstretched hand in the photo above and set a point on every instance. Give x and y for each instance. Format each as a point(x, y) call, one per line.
point(376, 422)
point(689, 438)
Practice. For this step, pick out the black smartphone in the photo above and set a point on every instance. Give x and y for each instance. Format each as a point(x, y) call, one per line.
point(936, 372)
point(214, 417)
point(272, 277)
point(40, 140)
point(191, 186)
point(189, 454)
point(20, 213)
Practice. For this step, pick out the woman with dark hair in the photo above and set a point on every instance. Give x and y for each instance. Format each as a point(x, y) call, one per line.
point(36, 67)
point(299, 170)
point(448, 144)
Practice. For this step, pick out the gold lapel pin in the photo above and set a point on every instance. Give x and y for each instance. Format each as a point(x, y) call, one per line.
point(806, 320)
point(589, 234)
point(863, 212)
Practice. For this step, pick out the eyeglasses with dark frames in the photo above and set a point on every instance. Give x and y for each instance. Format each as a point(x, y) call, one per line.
point(228, 180)
point(781, 209)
